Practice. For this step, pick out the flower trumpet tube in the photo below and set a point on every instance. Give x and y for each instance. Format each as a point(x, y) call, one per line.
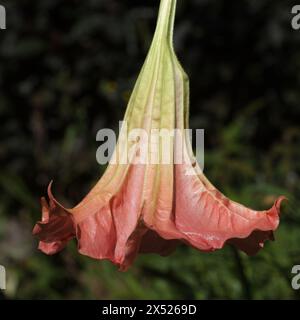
point(144, 207)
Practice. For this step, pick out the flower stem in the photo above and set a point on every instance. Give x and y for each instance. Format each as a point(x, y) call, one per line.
point(165, 22)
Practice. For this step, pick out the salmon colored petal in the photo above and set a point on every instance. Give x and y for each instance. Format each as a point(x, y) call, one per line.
point(96, 235)
point(208, 219)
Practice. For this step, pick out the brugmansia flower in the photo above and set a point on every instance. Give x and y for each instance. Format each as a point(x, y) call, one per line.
point(150, 208)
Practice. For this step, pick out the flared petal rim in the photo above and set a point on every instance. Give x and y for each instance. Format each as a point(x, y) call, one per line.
point(97, 235)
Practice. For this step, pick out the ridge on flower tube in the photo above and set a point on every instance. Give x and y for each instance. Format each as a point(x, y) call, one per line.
point(151, 208)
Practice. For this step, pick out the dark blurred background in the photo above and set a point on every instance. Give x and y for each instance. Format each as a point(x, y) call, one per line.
point(67, 69)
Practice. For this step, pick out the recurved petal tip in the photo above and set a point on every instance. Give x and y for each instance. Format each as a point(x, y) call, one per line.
point(255, 241)
point(56, 226)
point(278, 202)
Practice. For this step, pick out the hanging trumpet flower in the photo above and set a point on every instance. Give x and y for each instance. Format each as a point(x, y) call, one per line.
point(145, 207)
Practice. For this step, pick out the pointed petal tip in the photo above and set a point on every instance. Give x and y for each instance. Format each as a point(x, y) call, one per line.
point(36, 229)
point(49, 189)
point(252, 244)
point(50, 193)
point(279, 201)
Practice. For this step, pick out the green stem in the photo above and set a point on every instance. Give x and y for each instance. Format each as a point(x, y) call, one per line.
point(165, 22)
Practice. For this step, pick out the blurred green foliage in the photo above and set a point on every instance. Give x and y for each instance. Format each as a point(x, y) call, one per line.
point(67, 69)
